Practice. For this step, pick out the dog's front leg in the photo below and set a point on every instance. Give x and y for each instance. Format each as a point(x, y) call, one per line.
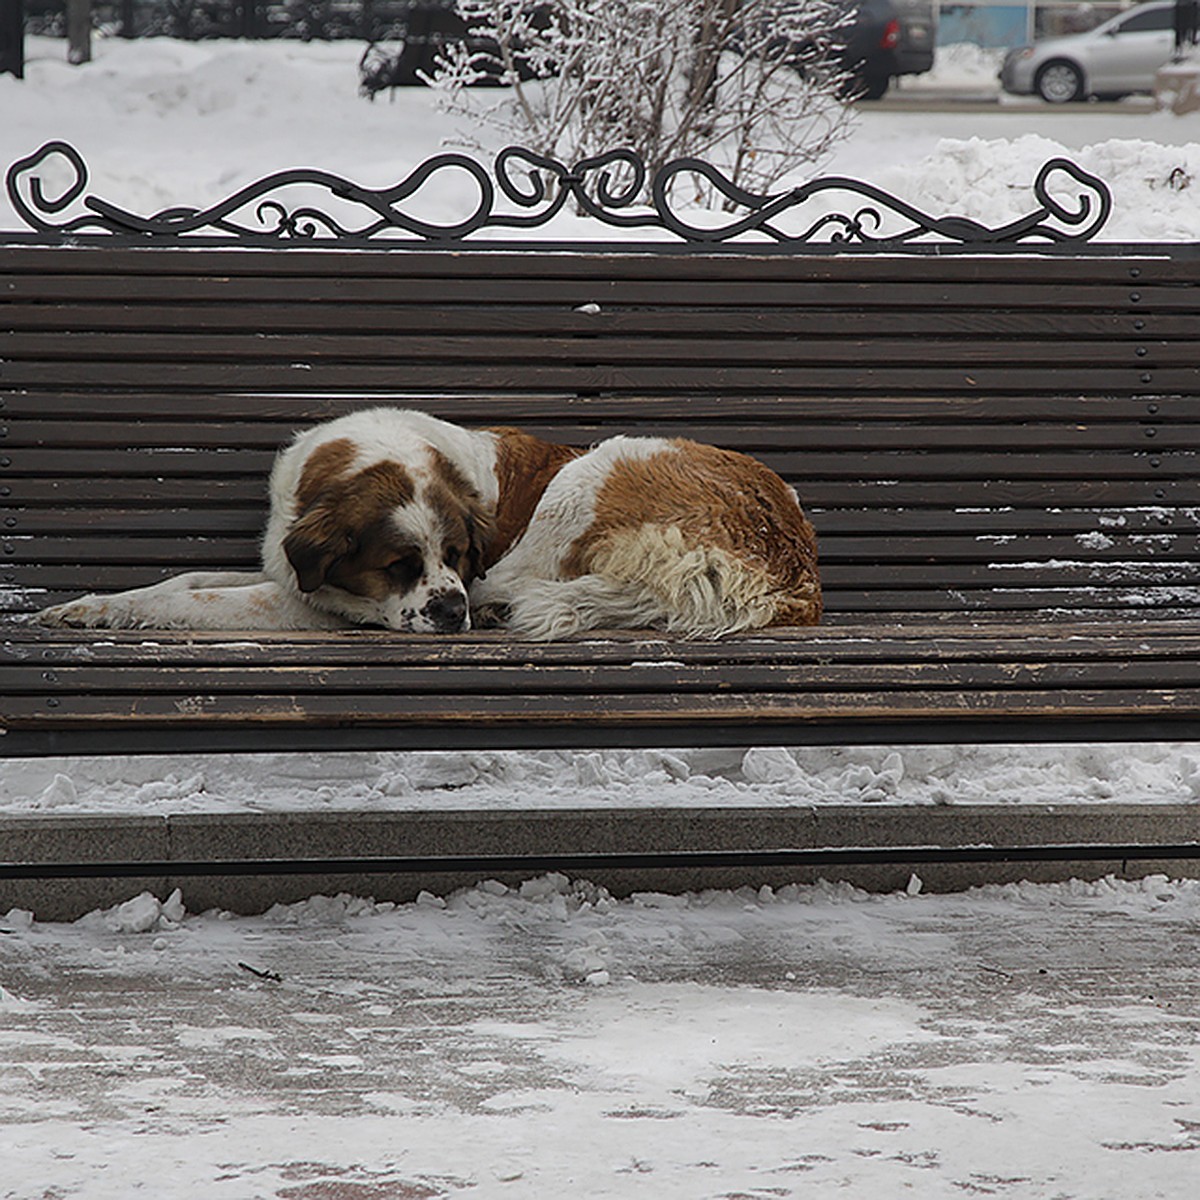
point(200, 600)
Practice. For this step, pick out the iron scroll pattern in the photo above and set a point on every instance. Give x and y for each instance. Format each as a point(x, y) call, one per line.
point(607, 187)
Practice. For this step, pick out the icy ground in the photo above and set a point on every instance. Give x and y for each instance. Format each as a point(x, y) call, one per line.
point(1029, 1042)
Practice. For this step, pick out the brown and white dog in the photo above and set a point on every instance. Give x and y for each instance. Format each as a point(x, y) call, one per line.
point(394, 518)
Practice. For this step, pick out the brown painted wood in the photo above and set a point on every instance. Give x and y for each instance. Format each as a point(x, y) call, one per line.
point(1149, 498)
point(999, 452)
point(322, 709)
point(1149, 264)
point(896, 642)
point(374, 319)
point(1124, 431)
point(679, 379)
point(263, 349)
point(564, 410)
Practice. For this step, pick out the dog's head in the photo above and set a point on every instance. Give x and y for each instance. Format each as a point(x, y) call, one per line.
point(391, 544)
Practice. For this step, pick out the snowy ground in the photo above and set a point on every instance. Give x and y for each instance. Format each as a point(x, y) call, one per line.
point(1035, 1043)
point(761, 776)
point(164, 122)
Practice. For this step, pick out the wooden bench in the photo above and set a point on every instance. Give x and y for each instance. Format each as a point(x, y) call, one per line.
point(997, 446)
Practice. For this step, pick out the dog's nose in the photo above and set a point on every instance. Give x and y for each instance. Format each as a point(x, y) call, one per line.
point(447, 612)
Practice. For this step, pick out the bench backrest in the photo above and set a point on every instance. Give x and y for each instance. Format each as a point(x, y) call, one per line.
point(1014, 433)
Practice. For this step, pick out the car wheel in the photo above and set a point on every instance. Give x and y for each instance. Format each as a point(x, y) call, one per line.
point(864, 85)
point(1059, 82)
point(875, 86)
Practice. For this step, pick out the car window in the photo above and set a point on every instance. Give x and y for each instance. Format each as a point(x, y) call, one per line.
point(1142, 22)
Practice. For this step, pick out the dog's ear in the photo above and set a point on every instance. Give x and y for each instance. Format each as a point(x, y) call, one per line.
point(479, 534)
point(313, 545)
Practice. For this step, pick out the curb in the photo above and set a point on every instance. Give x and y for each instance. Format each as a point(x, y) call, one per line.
point(61, 867)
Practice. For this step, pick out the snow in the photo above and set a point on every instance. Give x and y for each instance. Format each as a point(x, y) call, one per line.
point(761, 776)
point(162, 122)
point(1026, 1041)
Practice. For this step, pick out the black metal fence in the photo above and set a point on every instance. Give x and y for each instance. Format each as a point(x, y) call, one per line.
point(367, 20)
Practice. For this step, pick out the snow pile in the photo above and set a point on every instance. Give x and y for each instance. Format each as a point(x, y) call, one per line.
point(762, 776)
point(959, 67)
point(588, 929)
point(1155, 188)
point(144, 913)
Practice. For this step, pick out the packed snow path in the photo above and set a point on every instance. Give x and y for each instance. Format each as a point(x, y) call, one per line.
point(1026, 1041)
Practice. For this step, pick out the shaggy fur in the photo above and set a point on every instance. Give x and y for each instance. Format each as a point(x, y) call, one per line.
point(396, 519)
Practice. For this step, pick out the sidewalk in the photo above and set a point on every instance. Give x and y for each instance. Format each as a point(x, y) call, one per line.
point(1029, 1041)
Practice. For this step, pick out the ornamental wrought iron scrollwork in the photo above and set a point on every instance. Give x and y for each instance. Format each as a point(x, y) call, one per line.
point(526, 191)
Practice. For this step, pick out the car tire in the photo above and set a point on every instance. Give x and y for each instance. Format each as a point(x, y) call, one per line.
point(875, 86)
point(1059, 82)
point(864, 85)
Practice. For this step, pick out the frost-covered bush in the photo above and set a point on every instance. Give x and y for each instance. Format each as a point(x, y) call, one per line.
point(751, 86)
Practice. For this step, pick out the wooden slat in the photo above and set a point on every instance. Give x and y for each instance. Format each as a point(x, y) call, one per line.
point(679, 379)
point(604, 289)
point(660, 710)
point(1134, 265)
point(1138, 265)
point(881, 466)
point(591, 679)
point(918, 496)
point(1131, 267)
point(966, 640)
point(262, 349)
point(873, 588)
point(114, 314)
point(1124, 432)
point(935, 550)
point(565, 410)
point(1154, 531)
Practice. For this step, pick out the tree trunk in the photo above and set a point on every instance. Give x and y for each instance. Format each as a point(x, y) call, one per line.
point(79, 31)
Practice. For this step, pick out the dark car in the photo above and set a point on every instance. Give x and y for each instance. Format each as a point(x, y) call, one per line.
point(887, 38)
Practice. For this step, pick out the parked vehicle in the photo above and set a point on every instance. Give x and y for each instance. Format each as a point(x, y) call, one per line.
point(1120, 56)
point(888, 38)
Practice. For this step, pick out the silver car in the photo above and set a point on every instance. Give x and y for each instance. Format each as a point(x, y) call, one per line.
point(1117, 57)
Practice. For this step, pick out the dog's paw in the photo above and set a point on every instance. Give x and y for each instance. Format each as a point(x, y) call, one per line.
point(490, 616)
point(88, 612)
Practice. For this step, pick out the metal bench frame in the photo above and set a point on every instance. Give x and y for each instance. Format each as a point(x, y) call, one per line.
point(937, 396)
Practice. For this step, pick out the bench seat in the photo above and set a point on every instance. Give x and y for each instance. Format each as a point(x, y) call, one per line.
point(999, 452)
point(954, 681)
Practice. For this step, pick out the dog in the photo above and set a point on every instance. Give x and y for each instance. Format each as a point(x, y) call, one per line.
point(397, 519)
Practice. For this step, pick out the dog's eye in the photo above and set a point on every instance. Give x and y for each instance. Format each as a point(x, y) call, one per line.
point(452, 557)
point(405, 570)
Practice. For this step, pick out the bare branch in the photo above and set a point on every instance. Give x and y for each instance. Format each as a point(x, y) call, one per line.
point(752, 85)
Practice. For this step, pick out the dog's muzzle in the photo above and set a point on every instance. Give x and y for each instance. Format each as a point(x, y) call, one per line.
point(447, 612)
